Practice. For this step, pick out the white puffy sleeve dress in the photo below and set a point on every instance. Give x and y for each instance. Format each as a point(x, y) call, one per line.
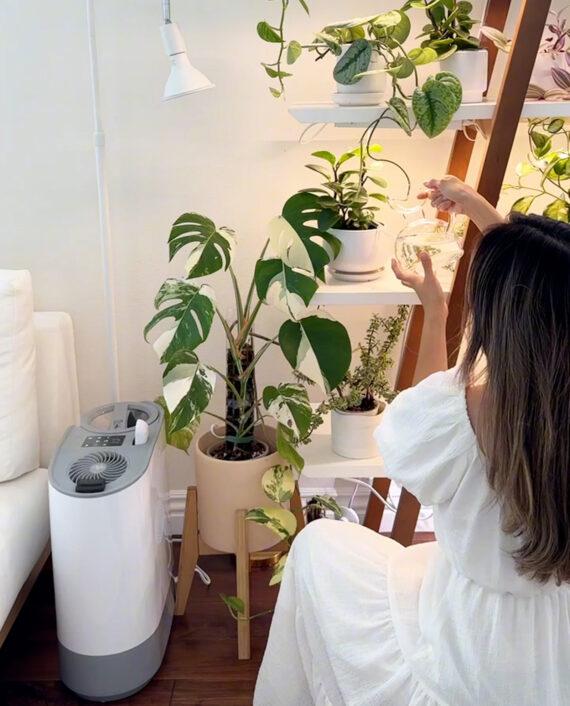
point(361, 621)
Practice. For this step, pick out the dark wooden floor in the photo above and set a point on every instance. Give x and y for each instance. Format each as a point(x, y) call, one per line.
point(200, 667)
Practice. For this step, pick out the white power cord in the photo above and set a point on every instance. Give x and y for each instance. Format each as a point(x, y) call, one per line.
point(204, 577)
point(386, 502)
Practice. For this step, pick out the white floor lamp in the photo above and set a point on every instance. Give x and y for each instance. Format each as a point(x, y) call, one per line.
point(183, 80)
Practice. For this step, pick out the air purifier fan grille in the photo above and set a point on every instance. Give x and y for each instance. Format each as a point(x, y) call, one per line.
point(104, 465)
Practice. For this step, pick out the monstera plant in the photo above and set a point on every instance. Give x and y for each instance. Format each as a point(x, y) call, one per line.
point(317, 348)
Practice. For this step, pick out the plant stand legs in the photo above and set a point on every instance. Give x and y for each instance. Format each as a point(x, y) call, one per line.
point(242, 585)
point(188, 552)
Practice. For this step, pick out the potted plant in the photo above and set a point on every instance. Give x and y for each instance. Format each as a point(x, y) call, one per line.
point(448, 33)
point(544, 178)
point(242, 447)
point(348, 202)
point(358, 401)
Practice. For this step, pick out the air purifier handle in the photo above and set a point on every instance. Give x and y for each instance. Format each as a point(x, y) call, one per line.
point(141, 432)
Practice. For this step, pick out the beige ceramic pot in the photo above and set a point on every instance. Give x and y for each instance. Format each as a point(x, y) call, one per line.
point(227, 486)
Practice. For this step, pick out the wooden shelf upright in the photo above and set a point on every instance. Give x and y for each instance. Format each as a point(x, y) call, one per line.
point(500, 136)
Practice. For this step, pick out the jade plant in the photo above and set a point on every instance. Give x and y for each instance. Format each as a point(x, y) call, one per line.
point(367, 387)
point(287, 273)
point(543, 180)
point(449, 26)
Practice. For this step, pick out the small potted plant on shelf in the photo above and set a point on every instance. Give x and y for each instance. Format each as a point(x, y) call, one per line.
point(448, 33)
point(358, 401)
point(544, 178)
point(242, 446)
point(348, 202)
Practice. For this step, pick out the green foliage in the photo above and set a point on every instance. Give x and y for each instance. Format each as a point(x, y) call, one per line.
point(367, 386)
point(435, 103)
point(543, 179)
point(344, 197)
point(449, 26)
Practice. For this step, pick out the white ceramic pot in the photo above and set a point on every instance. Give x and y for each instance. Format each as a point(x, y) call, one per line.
point(368, 91)
point(352, 433)
point(542, 71)
point(470, 67)
point(360, 254)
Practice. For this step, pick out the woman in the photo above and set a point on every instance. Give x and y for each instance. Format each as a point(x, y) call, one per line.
point(482, 616)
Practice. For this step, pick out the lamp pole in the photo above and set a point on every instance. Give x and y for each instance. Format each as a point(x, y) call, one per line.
point(103, 207)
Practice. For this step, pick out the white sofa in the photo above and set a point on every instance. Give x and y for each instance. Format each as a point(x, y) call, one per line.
point(24, 521)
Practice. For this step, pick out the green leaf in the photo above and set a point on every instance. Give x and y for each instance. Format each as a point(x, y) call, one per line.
point(278, 571)
point(423, 56)
point(275, 92)
point(524, 169)
point(397, 35)
point(328, 218)
point(289, 405)
point(193, 313)
point(268, 33)
point(558, 210)
point(435, 103)
point(421, 5)
point(278, 484)
point(355, 61)
point(294, 51)
point(401, 68)
point(304, 6)
point(318, 347)
point(542, 143)
point(234, 604)
point(280, 521)
point(281, 286)
point(178, 439)
point(379, 181)
point(287, 444)
point(400, 113)
point(187, 388)
point(326, 155)
point(273, 73)
point(523, 204)
point(329, 504)
point(555, 125)
point(210, 247)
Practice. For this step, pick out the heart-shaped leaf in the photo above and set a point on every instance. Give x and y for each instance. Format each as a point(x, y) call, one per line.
point(400, 112)
point(187, 387)
point(307, 345)
point(558, 210)
point(289, 405)
point(179, 439)
point(421, 56)
point(268, 33)
point(280, 521)
point(279, 285)
point(210, 247)
point(278, 484)
point(294, 51)
point(523, 204)
point(193, 313)
point(435, 103)
point(355, 61)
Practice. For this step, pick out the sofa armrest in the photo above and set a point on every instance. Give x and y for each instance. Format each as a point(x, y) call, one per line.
point(56, 379)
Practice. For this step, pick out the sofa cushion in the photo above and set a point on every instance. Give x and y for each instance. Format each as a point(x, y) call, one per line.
point(24, 533)
point(19, 436)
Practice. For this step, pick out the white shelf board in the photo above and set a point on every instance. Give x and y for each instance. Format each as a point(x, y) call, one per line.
point(384, 290)
point(322, 462)
point(361, 116)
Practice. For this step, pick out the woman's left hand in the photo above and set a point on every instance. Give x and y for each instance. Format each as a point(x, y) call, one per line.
point(426, 286)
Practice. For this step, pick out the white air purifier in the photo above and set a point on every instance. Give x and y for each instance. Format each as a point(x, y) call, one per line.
point(110, 550)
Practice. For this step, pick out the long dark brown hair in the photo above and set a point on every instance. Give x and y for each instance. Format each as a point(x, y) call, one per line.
point(518, 303)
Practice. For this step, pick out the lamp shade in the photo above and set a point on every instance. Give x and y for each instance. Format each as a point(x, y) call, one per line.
point(184, 78)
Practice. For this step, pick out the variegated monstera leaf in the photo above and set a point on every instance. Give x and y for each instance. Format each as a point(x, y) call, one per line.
point(287, 289)
point(318, 347)
point(289, 405)
point(187, 389)
point(210, 247)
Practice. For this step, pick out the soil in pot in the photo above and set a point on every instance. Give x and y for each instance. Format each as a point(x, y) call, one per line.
point(226, 451)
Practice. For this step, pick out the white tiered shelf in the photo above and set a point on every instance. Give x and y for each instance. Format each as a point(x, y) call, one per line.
point(361, 116)
point(384, 290)
point(322, 462)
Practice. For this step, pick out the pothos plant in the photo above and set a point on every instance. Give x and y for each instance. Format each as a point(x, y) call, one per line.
point(367, 387)
point(449, 26)
point(544, 178)
point(291, 263)
point(433, 104)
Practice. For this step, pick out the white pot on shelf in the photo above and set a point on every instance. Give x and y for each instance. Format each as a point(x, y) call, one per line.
point(368, 91)
point(542, 71)
point(470, 67)
point(352, 433)
point(360, 257)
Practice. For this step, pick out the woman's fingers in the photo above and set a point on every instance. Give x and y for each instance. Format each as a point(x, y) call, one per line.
point(406, 277)
point(427, 265)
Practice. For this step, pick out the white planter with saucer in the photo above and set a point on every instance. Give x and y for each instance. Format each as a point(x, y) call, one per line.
point(352, 433)
point(360, 258)
point(470, 67)
point(369, 90)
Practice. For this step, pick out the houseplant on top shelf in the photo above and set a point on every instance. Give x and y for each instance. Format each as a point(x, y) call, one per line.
point(544, 179)
point(356, 403)
point(448, 33)
point(348, 202)
point(234, 456)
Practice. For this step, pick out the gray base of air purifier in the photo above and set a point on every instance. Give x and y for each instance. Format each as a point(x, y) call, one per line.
point(114, 677)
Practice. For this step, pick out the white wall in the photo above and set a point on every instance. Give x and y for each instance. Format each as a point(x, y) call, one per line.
point(231, 153)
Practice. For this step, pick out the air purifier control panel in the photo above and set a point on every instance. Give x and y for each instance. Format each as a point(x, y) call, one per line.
point(102, 441)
